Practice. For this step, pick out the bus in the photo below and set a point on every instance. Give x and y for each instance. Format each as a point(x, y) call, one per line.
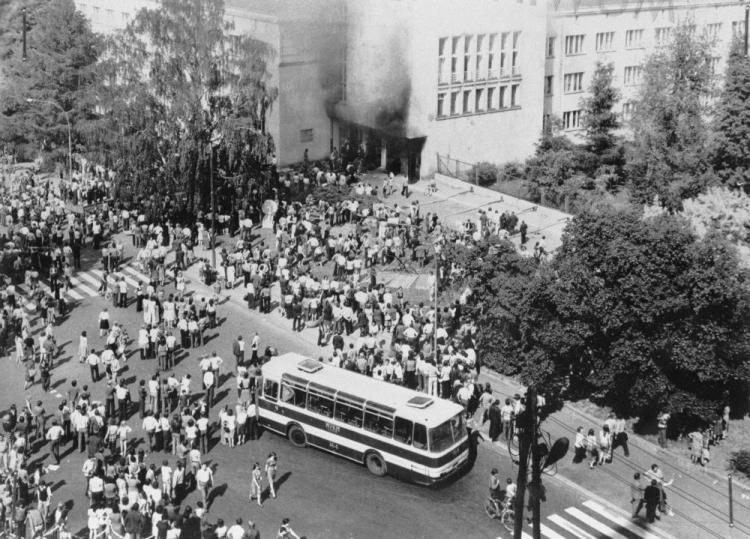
point(388, 428)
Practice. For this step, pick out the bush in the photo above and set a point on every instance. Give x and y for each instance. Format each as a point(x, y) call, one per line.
point(510, 172)
point(485, 173)
point(740, 461)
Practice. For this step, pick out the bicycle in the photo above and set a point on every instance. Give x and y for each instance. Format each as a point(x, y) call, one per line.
point(505, 513)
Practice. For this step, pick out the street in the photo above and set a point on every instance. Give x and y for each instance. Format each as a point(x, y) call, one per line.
point(325, 496)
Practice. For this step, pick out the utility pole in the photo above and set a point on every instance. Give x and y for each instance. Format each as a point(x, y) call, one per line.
point(526, 432)
point(23, 32)
point(434, 329)
point(536, 465)
point(213, 206)
point(747, 24)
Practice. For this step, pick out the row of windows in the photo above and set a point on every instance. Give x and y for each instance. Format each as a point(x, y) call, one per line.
point(478, 100)
point(572, 119)
point(348, 409)
point(478, 57)
point(634, 39)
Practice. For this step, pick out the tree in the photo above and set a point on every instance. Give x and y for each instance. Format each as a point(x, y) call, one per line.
point(62, 52)
point(652, 317)
point(599, 119)
point(181, 89)
point(731, 153)
point(668, 154)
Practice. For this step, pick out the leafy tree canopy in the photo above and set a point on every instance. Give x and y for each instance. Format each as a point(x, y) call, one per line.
point(731, 151)
point(179, 84)
point(62, 53)
point(670, 121)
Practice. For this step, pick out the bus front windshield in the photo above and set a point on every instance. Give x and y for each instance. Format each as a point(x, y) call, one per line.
point(446, 434)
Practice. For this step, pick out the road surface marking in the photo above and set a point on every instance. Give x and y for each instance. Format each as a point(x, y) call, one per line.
point(93, 280)
point(136, 273)
point(570, 527)
point(622, 522)
point(548, 532)
point(593, 523)
point(78, 284)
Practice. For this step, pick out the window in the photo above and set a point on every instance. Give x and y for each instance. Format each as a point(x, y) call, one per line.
point(454, 103)
point(503, 53)
point(454, 58)
point(501, 95)
point(97, 11)
point(467, 102)
point(713, 30)
point(738, 28)
point(271, 390)
point(551, 47)
point(514, 97)
point(349, 409)
point(573, 82)
point(441, 105)
point(572, 119)
point(627, 111)
point(445, 435)
point(306, 135)
point(402, 430)
point(605, 41)
point(633, 39)
point(467, 58)
point(478, 65)
point(320, 399)
point(442, 66)
point(663, 36)
point(293, 392)
point(479, 100)
point(515, 68)
point(632, 75)
point(574, 45)
point(420, 436)
point(378, 420)
point(548, 85)
point(491, 105)
point(491, 67)
point(125, 17)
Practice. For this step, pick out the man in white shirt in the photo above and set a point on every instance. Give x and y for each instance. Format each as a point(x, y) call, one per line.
point(93, 361)
point(216, 363)
point(236, 531)
point(150, 424)
point(54, 433)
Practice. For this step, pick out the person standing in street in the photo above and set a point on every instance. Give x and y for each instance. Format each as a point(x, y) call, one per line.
point(286, 531)
point(204, 480)
point(651, 496)
point(93, 361)
point(256, 480)
point(271, 464)
point(54, 434)
point(637, 496)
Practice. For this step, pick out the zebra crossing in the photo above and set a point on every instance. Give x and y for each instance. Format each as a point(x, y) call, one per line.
point(591, 520)
point(86, 283)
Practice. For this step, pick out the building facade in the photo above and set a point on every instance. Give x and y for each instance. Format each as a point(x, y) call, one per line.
point(475, 80)
point(581, 33)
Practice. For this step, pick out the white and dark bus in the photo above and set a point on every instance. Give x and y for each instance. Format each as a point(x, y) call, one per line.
point(388, 428)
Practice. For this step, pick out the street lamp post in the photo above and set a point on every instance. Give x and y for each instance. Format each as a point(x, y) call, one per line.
point(213, 206)
point(67, 121)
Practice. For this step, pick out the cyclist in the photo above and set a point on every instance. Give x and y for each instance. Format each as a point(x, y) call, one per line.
point(510, 492)
point(495, 493)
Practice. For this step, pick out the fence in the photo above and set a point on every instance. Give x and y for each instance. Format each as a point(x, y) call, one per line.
point(455, 168)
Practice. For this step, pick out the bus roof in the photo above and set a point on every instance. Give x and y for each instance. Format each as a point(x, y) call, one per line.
point(430, 411)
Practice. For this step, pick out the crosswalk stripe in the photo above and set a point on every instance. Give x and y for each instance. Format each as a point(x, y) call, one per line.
point(89, 278)
point(136, 273)
point(78, 284)
point(132, 282)
point(570, 527)
point(593, 523)
point(550, 533)
point(73, 294)
point(622, 522)
point(526, 535)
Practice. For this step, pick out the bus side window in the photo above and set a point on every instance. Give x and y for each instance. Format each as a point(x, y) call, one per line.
point(420, 436)
point(348, 414)
point(374, 422)
point(271, 390)
point(402, 430)
point(293, 395)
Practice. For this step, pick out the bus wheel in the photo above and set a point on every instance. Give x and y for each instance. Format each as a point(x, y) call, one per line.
point(297, 436)
point(375, 464)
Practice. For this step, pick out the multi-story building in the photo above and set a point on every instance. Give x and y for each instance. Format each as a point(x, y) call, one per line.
point(408, 80)
point(581, 33)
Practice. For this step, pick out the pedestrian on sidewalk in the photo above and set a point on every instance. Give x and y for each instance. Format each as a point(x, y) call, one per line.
point(662, 423)
point(256, 479)
point(651, 496)
point(592, 446)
